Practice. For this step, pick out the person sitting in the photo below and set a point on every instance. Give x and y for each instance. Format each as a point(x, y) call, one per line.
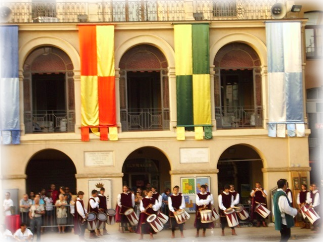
point(5, 234)
point(23, 234)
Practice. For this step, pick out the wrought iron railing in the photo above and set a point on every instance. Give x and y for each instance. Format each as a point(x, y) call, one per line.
point(137, 10)
point(49, 121)
point(238, 117)
point(144, 119)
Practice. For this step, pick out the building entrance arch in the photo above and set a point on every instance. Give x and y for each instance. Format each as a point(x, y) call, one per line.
point(147, 165)
point(48, 167)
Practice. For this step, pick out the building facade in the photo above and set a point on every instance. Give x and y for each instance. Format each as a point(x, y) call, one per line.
point(148, 146)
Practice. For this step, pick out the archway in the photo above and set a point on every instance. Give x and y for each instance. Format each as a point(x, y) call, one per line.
point(237, 87)
point(147, 165)
point(48, 167)
point(144, 92)
point(49, 104)
point(241, 166)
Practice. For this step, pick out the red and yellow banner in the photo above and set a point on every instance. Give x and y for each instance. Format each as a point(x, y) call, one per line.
point(98, 101)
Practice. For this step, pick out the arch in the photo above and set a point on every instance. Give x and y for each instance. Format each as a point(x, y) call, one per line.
point(62, 44)
point(153, 40)
point(55, 166)
point(245, 38)
point(147, 164)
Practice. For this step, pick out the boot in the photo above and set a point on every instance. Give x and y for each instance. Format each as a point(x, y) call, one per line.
point(233, 232)
point(203, 235)
point(173, 234)
point(222, 234)
point(197, 234)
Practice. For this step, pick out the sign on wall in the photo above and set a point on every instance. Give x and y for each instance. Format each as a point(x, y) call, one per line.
point(97, 184)
point(194, 155)
point(98, 158)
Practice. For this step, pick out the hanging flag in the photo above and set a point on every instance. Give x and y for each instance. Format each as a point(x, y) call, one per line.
point(98, 101)
point(192, 62)
point(180, 133)
point(285, 82)
point(9, 85)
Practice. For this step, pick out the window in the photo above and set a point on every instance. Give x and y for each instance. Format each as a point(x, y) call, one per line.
point(227, 8)
point(313, 36)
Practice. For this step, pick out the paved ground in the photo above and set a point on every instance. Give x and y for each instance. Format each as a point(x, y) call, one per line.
point(244, 234)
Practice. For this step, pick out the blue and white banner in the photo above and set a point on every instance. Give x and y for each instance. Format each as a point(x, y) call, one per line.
point(285, 82)
point(9, 85)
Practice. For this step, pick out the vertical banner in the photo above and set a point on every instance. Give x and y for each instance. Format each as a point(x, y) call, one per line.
point(192, 74)
point(9, 85)
point(285, 83)
point(98, 101)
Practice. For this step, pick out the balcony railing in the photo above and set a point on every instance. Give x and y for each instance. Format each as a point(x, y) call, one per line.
point(238, 117)
point(137, 10)
point(49, 121)
point(145, 119)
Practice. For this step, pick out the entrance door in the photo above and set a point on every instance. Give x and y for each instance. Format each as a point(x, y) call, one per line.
point(139, 180)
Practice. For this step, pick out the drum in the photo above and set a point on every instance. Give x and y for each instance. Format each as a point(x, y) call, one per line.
point(231, 216)
point(91, 221)
point(310, 213)
point(241, 212)
point(111, 216)
point(102, 218)
point(155, 223)
point(162, 217)
point(262, 210)
point(215, 215)
point(181, 216)
point(206, 216)
point(131, 216)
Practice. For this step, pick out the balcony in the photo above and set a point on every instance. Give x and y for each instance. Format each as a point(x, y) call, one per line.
point(238, 117)
point(49, 121)
point(137, 10)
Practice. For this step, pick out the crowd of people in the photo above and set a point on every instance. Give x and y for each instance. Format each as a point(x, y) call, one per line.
point(41, 209)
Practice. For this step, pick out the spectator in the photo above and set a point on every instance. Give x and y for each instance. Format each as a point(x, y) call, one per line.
point(35, 215)
point(138, 198)
point(41, 201)
point(32, 196)
point(164, 207)
point(25, 204)
point(42, 194)
point(7, 204)
point(54, 193)
point(61, 213)
point(23, 234)
point(72, 205)
point(68, 195)
point(5, 234)
point(49, 209)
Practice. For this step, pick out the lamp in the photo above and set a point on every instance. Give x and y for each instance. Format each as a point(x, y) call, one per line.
point(198, 16)
point(296, 8)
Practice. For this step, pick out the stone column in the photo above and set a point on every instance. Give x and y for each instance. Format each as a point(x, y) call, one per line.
point(117, 78)
point(213, 121)
point(77, 93)
point(264, 94)
point(21, 102)
point(172, 98)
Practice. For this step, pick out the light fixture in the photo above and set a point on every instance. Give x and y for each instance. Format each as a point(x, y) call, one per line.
point(198, 16)
point(296, 8)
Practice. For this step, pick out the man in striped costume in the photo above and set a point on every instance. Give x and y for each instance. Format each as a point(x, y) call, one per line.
point(203, 202)
point(93, 206)
point(126, 200)
point(80, 216)
point(175, 202)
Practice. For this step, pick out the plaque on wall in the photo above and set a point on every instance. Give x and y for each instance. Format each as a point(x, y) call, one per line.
point(98, 158)
point(96, 184)
point(194, 155)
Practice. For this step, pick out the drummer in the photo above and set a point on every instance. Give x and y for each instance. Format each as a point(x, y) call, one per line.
point(175, 202)
point(304, 198)
point(103, 208)
point(157, 196)
point(225, 202)
point(80, 216)
point(148, 205)
point(315, 196)
point(93, 206)
point(203, 202)
point(126, 200)
point(258, 195)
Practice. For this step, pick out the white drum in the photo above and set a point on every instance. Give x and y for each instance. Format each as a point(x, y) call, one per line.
point(91, 221)
point(162, 217)
point(262, 211)
point(155, 223)
point(241, 212)
point(215, 215)
point(181, 216)
point(206, 216)
point(101, 220)
point(231, 216)
point(310, 213)
point(111, 216)
point(131, 216)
